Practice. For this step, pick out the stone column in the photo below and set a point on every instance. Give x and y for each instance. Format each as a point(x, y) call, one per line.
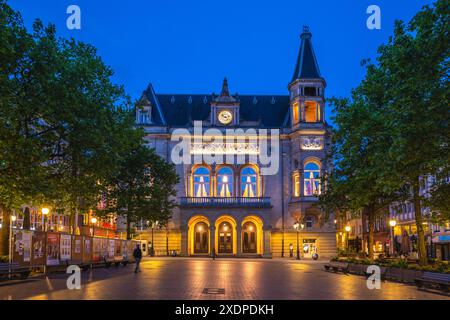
point(267, 253)
point(238, 239)
point(212, 238)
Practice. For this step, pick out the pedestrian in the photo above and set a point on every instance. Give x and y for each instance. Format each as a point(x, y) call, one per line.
point(137, 254)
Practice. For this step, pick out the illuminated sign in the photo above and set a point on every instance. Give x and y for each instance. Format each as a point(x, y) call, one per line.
point(224, 148)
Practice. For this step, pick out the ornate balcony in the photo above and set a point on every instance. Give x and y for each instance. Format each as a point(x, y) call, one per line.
point(233, 202)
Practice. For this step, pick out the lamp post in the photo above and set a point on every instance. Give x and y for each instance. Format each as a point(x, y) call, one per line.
point(93, 221)
point(154, 224)
point(45, 211)
point(297, 228)
point(347, 233)
point(392, 223)
point(11, 246)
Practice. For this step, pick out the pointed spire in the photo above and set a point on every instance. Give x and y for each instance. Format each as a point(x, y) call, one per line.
point(225, 96)
point(225, 92)
point(307, 67)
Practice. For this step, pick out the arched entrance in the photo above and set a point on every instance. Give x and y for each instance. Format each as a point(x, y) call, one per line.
point(225, 244)
point(249, 236)
point(198, 236)
point(252, 241)
point(201, 238)
point(226, 238)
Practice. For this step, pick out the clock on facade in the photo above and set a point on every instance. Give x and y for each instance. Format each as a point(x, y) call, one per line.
point(225, 117)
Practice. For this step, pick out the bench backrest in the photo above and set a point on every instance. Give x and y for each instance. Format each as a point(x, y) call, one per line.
point(7, 266)
point(339, 264)
point(437, 276)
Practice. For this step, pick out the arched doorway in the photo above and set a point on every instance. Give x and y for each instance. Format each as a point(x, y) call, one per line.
point(252, 239)
point(225, 241)
point(201, 238)
point(199, 235)
point(249, 242)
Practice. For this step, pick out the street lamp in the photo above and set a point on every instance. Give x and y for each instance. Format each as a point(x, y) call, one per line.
point(347, 230)
point(297, 227)
point(11, 246)
point(392, 223)
point(93, 221)
point(154, 224)
point(45, 211)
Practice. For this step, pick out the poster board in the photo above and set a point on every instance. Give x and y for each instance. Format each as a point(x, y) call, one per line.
point(111, 249)
point(77, 248)
point(96, 249)
point(87, 249)
point(38, 248)
point(65, 247)
point(22, 247)
point(104, 248)
point(52, 249)
point(125, 249)
point(118, 250)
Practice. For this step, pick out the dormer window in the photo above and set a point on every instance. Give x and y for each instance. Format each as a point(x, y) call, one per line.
point(144, 116)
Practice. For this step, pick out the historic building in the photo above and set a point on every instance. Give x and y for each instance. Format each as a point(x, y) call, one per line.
point(240, 208)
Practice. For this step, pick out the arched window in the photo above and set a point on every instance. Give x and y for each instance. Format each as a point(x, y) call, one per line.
point(201, 182)
point(312, 179)
point(249, 182)
point(201, 238)
point(225, 182)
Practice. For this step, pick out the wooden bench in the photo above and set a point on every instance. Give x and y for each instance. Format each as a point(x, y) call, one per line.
point(337, 267)
point(14, 269)
point(434, 280)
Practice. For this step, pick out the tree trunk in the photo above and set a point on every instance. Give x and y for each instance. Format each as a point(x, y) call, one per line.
point(371, 220)
point(128, 226)
point(167, 239)
point(423, 260)
point(4, 236)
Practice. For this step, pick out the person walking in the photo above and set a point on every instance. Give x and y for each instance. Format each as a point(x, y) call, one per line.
point(137, 254)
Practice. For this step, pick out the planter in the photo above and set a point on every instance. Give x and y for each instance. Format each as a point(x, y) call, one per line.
point(392, 273)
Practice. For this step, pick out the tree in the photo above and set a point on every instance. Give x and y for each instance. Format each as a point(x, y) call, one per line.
point(25, 139)
point(355, 186)
point(142, 188)
point(415, 66)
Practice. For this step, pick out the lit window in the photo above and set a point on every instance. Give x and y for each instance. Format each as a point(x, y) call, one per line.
point(225, 182)
point(296, 185)
point(249, 181)
point(201, 182)
point(295, 113)
point(310, 111)
point(312, 179)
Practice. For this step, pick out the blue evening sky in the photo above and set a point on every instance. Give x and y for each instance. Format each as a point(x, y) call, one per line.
point(190, 46)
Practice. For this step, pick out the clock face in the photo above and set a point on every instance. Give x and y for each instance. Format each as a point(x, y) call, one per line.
point(225, 117)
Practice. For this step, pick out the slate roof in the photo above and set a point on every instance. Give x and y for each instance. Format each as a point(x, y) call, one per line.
point(307, 66)
point(179, 110)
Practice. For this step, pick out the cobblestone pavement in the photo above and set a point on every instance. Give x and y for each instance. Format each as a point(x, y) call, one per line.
point(186, 278)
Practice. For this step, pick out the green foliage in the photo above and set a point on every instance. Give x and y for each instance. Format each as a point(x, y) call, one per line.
point(394, 130)
point(142, 187)
point(67, 133)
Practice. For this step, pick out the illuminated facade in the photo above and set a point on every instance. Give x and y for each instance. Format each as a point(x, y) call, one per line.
point(236, 209)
